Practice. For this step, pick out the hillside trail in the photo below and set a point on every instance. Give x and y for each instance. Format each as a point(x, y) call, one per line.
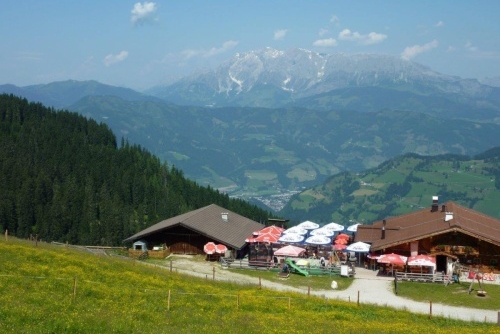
point(367, 286)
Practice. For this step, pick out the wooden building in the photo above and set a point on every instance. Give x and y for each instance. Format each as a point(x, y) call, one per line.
point(189, 232)
point(445, 231)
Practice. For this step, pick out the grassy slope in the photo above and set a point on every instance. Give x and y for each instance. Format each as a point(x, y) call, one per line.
point(472, 186)
point(115, 296)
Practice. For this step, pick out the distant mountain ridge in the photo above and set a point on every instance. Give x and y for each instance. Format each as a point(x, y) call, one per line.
point(61, 94)
point(380, 107)
point(298, 77)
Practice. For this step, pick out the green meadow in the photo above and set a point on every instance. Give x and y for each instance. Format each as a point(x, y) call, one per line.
point(54, 289)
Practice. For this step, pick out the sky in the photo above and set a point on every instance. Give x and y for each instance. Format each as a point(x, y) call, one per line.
point(147, 43)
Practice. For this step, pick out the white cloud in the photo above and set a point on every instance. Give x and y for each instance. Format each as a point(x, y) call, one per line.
point(113, 59)
point(470, 47)
point(143, 12)
point(226, 46)
point(411, 51)
point(325, 42)
point(334, 19)
point(189, 53)
point(439, 24)
point(280, 34)
point(371, 38)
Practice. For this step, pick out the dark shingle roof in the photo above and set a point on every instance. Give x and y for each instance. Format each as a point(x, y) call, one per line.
point(426, 222)
point(208, 221)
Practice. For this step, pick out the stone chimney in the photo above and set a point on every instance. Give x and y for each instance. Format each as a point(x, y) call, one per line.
point(383, 229)
point(435, 204)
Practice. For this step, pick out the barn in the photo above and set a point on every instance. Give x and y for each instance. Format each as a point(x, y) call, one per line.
point(189, 232)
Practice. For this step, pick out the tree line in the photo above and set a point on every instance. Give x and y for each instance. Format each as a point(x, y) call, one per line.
point(64, 178)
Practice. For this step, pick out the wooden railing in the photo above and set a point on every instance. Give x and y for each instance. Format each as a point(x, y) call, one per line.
point(418, 277)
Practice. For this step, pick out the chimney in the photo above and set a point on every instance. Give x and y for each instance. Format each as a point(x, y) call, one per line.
point(435, 204)
point(443, 208)
point(383, 229)
point(225, 216)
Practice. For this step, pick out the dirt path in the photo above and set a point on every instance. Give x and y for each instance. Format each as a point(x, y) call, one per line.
point(370, 288)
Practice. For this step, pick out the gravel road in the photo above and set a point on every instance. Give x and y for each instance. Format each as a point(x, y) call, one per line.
point(371, 289)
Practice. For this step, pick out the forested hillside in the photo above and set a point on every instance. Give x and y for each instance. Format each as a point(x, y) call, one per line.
point(64, 178)
point(401, 185)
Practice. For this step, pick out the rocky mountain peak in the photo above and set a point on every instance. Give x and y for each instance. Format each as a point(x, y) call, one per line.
point(275, 78)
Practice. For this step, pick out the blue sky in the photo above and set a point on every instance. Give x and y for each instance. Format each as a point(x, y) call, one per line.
point(143, 44)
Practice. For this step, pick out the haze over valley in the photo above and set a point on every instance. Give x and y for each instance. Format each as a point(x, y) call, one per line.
point(268, 115)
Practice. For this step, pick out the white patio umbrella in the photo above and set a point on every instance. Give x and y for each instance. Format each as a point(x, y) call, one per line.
point(322, 231)
point(308, 225)
point(353, 228)
point(295, 230)
point(318, 240)
point(291, 238)
point(359, 247)
point(334, 227)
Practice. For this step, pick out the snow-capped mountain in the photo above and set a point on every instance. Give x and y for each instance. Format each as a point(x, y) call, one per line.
point(273, 78)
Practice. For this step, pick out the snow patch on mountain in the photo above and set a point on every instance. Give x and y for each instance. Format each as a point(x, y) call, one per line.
point(300, 73)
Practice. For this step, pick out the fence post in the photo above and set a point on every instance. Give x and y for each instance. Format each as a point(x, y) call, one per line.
point(168, 301)
point(358, 298)
point(498, 319)
point(74, 288)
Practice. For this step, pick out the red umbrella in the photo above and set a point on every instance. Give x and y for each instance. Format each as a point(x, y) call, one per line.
point(339, 246)
point(273, 229)
point(343, 236)
point(422, 260)
point(394, 259)
point(220, 249)
point(268, 237)
point(209, 248)
point(341, 241)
